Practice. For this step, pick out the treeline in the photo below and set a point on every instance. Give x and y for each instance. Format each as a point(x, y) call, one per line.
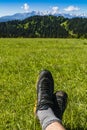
point(45, 27)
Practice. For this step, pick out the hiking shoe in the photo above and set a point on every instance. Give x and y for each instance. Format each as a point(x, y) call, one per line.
point(45, 88)
point(60, 103)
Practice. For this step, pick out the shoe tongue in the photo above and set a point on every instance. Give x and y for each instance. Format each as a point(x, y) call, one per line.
point(44, 107)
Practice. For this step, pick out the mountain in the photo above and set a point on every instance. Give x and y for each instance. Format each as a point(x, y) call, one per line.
point(18, 16)
point(22, 16)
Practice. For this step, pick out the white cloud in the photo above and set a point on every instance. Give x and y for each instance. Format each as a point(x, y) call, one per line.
point(55, 10)
point(71, 8)
point(26, 7)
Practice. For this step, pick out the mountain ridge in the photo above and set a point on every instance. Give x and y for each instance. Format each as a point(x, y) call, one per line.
point(22, 16)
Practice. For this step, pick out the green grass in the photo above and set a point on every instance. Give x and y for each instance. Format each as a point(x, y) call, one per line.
point(20, 62)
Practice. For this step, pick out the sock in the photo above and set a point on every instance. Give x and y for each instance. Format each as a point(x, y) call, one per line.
point(47, 117)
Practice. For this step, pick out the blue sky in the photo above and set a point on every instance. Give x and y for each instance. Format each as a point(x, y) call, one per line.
point(9, 7)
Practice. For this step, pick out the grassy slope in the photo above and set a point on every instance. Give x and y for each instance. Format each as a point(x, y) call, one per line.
point(20, 62)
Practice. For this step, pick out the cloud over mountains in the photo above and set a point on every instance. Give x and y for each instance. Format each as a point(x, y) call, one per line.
point(71, 8)
point(53, 10)
point(25, 7)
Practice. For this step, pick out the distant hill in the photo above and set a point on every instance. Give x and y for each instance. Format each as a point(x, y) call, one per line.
point(22, 16)
point(45, 27)
point(18, 16)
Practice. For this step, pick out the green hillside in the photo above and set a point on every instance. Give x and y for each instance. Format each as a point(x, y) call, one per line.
point(20, 62)
point(45, 27)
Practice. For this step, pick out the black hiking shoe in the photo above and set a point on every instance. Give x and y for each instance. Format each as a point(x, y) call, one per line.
point(45, 88)
point(60, 103)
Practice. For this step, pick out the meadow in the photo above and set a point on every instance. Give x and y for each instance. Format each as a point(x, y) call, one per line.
point(21, 60)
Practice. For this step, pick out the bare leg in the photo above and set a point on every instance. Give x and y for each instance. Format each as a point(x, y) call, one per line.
point(55, 126)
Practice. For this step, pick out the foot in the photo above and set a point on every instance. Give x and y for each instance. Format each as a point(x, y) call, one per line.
point(45, 88)
point(60, 103)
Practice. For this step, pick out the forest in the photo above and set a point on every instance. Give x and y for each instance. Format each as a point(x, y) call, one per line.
point(45, 27)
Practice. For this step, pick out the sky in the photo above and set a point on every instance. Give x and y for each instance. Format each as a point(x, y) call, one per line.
point(10, 7)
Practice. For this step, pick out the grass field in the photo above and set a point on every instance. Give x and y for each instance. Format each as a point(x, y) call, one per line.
point(20, 62)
